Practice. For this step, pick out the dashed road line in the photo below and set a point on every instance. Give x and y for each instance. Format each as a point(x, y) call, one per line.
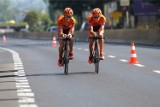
point(24, 92)
point(111, 56)
point(86, 49)
point(79, 48)
point(123, 60)
point(156, 71)
point(139, 65)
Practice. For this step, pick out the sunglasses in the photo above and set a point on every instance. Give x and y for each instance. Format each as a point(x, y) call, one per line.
point(96, 17)
point(68, 17)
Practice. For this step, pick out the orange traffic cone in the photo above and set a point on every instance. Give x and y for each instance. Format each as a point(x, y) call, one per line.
point(54, 42)
point(4, 39)
point(133, 59)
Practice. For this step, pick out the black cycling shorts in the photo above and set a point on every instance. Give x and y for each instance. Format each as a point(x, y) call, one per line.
point(96, 28)
point(66, 31)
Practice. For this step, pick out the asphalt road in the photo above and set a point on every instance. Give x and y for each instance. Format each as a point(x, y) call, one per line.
point(30, 77)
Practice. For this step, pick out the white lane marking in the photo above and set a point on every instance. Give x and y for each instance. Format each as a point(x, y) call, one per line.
point(28, 105)
point(27, 100)
point(79, 48)
point(26, 94)
point(23, 83)
point(156, 71)
point(123, 60)
point(111, 56)
point(23, 88)
point(86, 49)
point(22, 80)
point(139, 65)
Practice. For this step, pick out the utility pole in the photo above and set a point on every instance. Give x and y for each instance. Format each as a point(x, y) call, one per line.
point(126, 4)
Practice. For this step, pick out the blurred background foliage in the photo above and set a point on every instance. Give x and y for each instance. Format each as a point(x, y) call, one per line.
point(41, 14)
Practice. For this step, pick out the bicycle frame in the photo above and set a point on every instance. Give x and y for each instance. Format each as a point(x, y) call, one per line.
point(65, 57)
point(95, 53)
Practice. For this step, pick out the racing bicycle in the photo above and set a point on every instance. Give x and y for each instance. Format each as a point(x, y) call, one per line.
point(95, 53)
point(65, 56)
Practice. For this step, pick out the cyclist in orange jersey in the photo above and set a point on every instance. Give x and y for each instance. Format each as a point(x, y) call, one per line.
point(96, 22)
point(66, 25)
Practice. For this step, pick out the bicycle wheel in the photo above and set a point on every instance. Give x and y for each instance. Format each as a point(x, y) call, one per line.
point(66, 61)
point(96, 59)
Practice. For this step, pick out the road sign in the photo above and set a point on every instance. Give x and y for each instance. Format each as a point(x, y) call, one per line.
point(124, 2)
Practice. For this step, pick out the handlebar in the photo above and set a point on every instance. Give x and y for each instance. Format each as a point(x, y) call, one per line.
point(65, 37)
point(96, 37)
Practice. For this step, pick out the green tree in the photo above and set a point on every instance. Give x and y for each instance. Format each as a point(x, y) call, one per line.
point(38, 21)
point(6, 12)
point(45, 21)
point(32, 19)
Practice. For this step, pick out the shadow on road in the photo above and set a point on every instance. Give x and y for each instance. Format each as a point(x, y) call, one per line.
point(54, 74)
point(11, 99)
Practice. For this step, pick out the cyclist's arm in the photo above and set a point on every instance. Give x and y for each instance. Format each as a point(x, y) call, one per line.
point(90, 29)
point(60, 31)
point(71, 31)
point(101, 30)
point(102, 23)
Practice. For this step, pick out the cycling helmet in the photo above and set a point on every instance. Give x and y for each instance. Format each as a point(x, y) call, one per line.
point(96, 12)
point(68, 12)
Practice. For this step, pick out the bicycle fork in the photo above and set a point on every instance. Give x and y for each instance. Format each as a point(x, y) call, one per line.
point(66, 53)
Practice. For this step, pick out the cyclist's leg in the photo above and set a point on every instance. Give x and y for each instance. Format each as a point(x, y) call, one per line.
point(71, 49)
point(101, 45)
point(60, 52)
point(90, 50)
point(70, 45)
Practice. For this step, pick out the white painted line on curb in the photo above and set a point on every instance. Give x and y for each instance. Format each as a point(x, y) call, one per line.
point(139, 65)
point(156, 71)
point(23, 88)
point(25, 94)
point(27, 100)
point(25, 83)
point(28, 105)
point(22, 80)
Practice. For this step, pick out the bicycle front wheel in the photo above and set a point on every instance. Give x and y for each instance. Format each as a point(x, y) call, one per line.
point(66, 68)
point(96, 67)
point(96, 62)
point(66, 62)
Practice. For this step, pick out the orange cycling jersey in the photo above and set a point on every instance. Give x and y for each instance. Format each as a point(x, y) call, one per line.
point(92, 22)
point(66, 24)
